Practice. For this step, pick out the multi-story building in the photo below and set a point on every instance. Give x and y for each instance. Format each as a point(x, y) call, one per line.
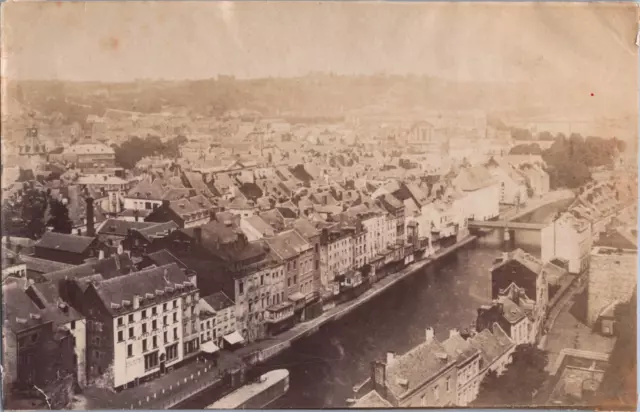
point(537, 178)
point(38, 348)
point(436, 374)
point(139, 325)
point(482, 192)
point(570, 238)
point(522, 279)
point(298, 257)
point(513, 184)
point(217, 319)
point(374, 223)
point(336, 253)
point(90, 155)
point(395, 219)
point(111, 190)
point(71, 249)
point(186, 212)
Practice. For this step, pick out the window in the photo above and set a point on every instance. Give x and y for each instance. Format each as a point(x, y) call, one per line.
point(448, 384)
point(172, 352)
point(129, 350)
point(154, 311)
point(144, 345)
point(175, 333)
point(150, 360)
point(131, 318)
point(155, 342)
point(164, 336)
point(120, 321)
point(240, 288)
point(175, 303)
point(436, 392)
point(261, 280)
point(120, 336)
point(175, 317)
point(164, 307)
point(164, 321)
point(144, 328)
point(154, 325)
point(73, 324)
point(144, 314)
point(131, 334)
point(295, 279)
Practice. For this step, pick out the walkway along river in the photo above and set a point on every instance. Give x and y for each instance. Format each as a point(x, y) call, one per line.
point(325, 366)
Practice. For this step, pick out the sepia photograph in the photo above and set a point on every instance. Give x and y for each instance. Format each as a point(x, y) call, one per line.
point(319, 205)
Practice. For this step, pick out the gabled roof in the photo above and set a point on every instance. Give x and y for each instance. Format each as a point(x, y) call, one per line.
point(148, 281)
point(260, 225)
point(157, 230)
point(473, 178)
point(492, 345)
point(288, 244)
point(306, 228)
point(419, 365)
point(65, 242)
point(372, 400)
point(118, 227)
point(19, 311)
point(112, 266)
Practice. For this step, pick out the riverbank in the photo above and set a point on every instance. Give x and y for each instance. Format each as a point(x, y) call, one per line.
point(188, 380)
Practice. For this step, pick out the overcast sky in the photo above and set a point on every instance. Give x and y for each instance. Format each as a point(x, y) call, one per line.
point(586, 47)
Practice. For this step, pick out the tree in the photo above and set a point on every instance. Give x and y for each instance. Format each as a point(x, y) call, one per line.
point(516, 387)
point(23, 215)
point(59, 219)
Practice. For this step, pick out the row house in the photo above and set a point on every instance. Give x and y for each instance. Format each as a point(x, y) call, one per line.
point(298, 257)
point(395, 212)
point(186, 213)
point(224, 260)
point(375, 224)
point(336, 254)
point(434, 373)
point(139, 325)
point(217, 317)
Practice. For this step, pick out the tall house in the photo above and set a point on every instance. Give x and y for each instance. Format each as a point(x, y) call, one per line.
point(568, 237)
point(140, 325)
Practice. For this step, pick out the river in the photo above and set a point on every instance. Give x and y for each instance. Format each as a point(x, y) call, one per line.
point(325, 366)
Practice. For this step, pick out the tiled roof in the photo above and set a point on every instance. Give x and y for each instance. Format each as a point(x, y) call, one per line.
point(65, 242)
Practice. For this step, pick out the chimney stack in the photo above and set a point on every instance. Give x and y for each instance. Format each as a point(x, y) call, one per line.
point(136, 302)
point(197, 232)
point(101, 254)
point(91, 231)
point(429, 335)
point(379, 377)
point(391, 357)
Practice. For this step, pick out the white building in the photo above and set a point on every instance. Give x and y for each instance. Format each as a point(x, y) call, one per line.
point(482, 193)
point(570, 238)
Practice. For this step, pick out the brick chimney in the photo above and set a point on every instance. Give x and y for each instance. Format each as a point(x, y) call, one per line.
point(379, 377)
point(91, 230)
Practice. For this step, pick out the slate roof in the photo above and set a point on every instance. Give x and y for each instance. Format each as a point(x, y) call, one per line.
point(123, 288)
point(38, 265)
point(158, 229)
point(65, 242)
point(260, 225)
point(112, 266)
point(492, 345)
point(305, 228)
point(118, 227)
point(417, 366)
point(18, 308)
point(511, 311)
point(164, 257)
point(288, 244)
point(218, 301)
